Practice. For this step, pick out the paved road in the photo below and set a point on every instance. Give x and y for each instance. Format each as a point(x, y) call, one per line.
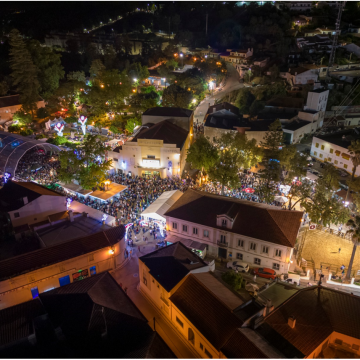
point(232, 83)
point(128, 276)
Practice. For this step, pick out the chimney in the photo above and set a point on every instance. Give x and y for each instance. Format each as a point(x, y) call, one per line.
point(71, 216)
point(291, 322)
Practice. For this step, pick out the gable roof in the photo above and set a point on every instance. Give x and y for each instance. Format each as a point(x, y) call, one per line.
point(13, 193)
point(168, 111)
point(170, 264)
point(166, 131)
point(277, 226)
point(54, 254)
point(318, 312)
point(95, 317)
point(225, 119)
point(223, 106)
point(205, 311)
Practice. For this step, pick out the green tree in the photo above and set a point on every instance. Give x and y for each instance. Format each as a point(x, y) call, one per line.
point(244, 100)
point(274, 72)
point(48, 63)
point(14, 128)
point(4, 88)
point(354, 230)
point(26, 132)
point(354, 150)
point(42, 113)
point(138, 72)
point(83, 165)
point(131, 124)
point(175, 96)
point(97, 69)
point(233, 279)
point(22, 117)
point(202, 154)
point(24, 72)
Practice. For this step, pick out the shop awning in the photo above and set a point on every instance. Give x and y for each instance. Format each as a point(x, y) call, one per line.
point(192, 244)
point(161, 205)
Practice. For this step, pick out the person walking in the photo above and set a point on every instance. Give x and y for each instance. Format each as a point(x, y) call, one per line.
point(339, 250)
point(255, 278)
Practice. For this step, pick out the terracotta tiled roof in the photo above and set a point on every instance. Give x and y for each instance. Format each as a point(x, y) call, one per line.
point(207, 313)
point(166, 131)
point(61, 252)
point(170, 264)
point(318, 312)
point(259, 221)
point(239, 346)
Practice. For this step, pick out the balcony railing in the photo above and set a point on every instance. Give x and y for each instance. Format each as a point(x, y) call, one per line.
point(222, 244)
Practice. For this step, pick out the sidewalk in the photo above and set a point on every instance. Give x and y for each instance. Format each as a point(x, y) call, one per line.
point(128, 277)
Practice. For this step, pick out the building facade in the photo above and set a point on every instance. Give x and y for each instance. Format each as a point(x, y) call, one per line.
point(226, 233)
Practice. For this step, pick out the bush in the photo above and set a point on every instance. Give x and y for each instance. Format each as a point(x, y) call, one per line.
point(233, 279)
point(42, 113)
point(26, 132)
point(14, 128)
point(58, 140)
point(40, 136)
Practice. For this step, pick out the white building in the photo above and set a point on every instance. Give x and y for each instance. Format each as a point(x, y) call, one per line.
point(159, 149)
point(27, 203)
point(301, 76)
point(333, 148)
point(259, 234)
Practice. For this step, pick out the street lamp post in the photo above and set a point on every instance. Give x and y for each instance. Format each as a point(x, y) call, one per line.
point(135, 81)
point(182, 59)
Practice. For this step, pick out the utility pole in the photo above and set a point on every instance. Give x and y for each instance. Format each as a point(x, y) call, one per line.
point(206, 26)
point(337, 29)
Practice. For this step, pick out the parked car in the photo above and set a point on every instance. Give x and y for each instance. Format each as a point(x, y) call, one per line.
point(293, 279)
point(265, 273)
point(239, 265)
point(315, 172)
point(310, 164)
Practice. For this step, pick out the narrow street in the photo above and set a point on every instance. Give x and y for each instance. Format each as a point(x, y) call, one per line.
point(129, 278)
point(232, 83)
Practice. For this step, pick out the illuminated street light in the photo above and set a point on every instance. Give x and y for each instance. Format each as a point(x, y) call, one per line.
point(194, 101)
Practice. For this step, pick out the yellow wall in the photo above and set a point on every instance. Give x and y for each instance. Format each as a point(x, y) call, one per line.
point(18, 289)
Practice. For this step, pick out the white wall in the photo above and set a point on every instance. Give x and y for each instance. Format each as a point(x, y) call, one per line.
point(267, 260)
point(38, 210)
point(329, 152)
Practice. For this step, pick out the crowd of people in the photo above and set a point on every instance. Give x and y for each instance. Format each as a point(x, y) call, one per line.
point(38, 165)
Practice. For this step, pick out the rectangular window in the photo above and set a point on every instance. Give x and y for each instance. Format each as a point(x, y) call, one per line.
point(315, 153)
point(276, 266)
point(92, 270)
point(331, 151)
point(355, 347)
point(224, 222)
point(322, 147)
point(185, 228)
point(206, 233)
point(16, 215)
point(252, 246)
point(329, 158)
point(115, 159)
point(345, 166)
point(208, 354)
point(257, 261)
point(201, 346)
point(151, 156)
point(265, 249)
point(179, 322)
point(278, 252)
point(241, 243)
point(335, 162)
point(64, 280)
point(195, 231)
point(34, 292)
point(317, 145)
point(223, 238)
point(239, 256)
point(321, 155)
point(174, 225)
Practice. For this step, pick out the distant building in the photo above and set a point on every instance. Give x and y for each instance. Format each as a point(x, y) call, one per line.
point(228, 228)
point(62, 259)
point(261, 61)
point(91, 318)
point(333, 148)
point(237, 56)
point(301, 76)
point(9, 105)
point(156, 149)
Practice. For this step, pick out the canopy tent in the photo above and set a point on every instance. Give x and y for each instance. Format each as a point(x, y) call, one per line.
point(161, 205)
point(282, 199)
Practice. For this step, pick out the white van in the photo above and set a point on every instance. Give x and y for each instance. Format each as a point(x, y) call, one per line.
point(293, 279)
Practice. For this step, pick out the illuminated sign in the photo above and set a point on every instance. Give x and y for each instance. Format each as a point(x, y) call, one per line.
point(81, 274)
point(151, 162)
